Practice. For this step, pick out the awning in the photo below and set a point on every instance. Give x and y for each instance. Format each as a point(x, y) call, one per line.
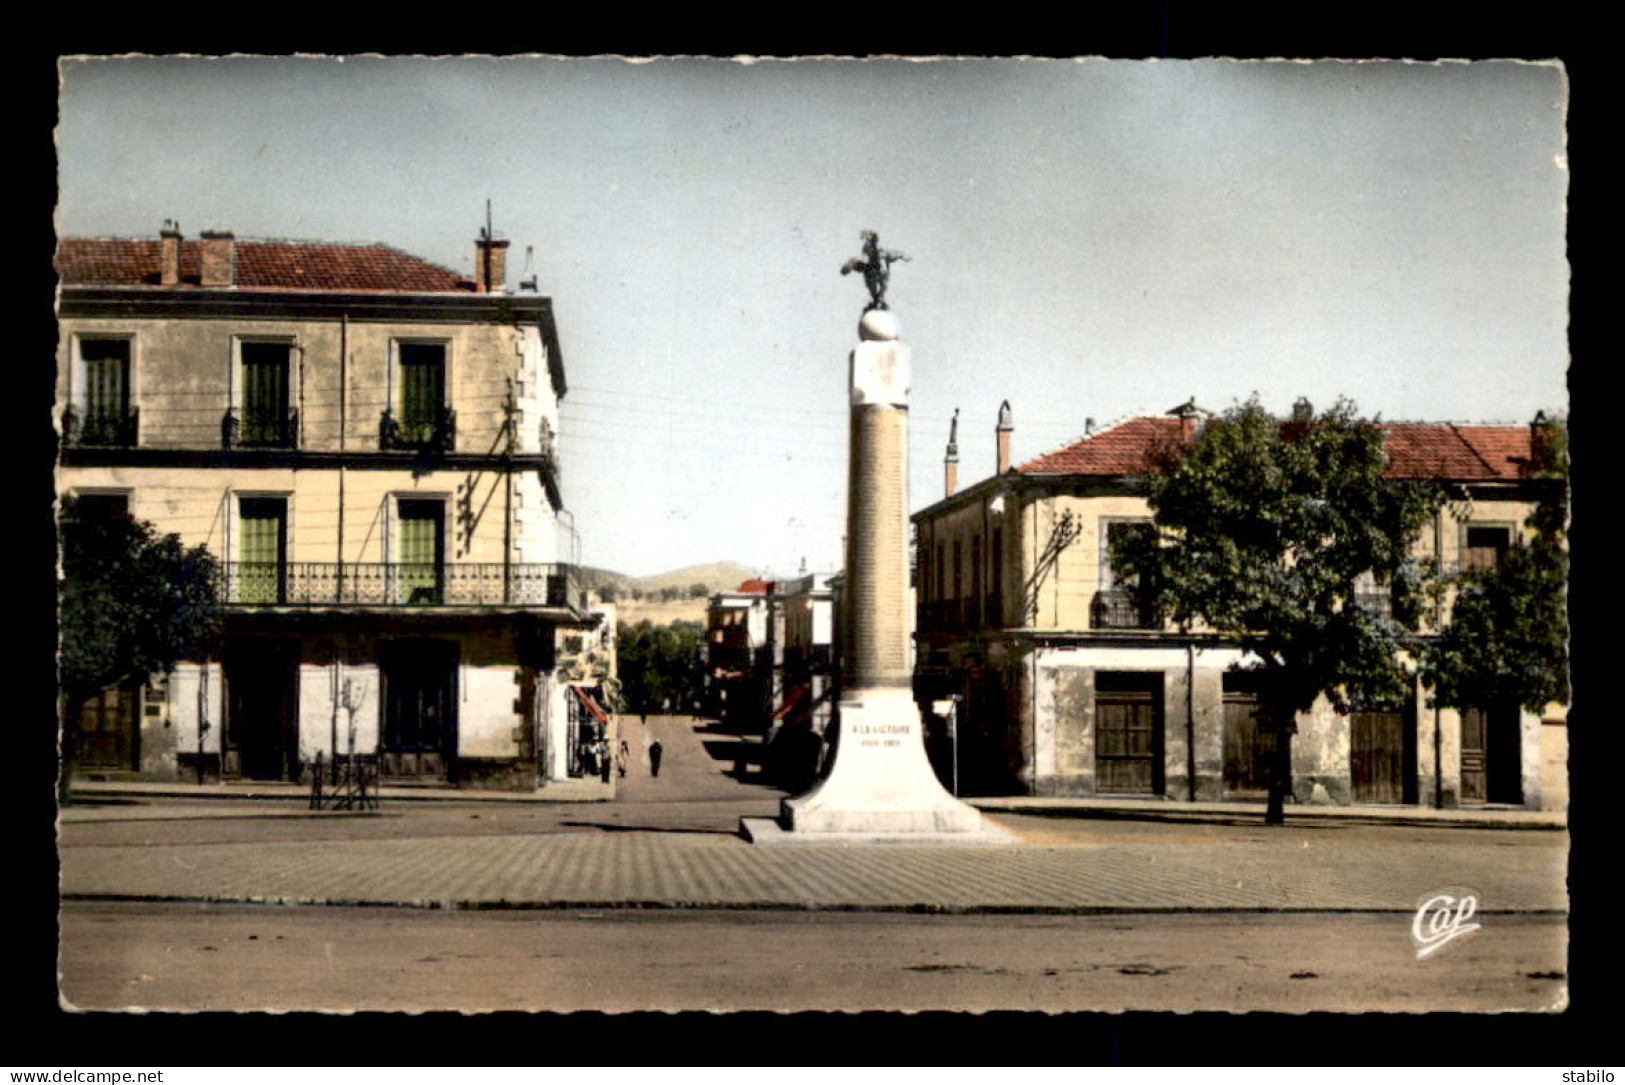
point(592, 705)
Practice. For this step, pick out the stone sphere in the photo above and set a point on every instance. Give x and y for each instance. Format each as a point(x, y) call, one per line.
point(879, 324)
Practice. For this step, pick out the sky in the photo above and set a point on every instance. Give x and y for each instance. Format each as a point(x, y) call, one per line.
point(1090, 240)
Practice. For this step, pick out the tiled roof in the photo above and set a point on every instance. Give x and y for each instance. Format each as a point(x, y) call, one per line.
point(260, 265)
point(1416, 450)
point(754, 587)
point(1120, 450)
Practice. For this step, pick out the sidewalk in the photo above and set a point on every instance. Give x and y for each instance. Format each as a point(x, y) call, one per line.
point(1175, 810)
point(272, 790)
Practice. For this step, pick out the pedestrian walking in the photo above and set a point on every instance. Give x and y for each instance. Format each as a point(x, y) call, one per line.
point(655, 750)
point(622, 756)
point(603, 760)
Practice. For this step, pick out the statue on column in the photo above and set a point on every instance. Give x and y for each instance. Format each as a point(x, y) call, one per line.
point(876, 267)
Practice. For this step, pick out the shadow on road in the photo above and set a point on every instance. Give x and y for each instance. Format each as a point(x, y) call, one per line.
point(681, 829)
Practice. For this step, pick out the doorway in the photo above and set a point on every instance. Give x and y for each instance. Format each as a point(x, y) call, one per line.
point(1491, 757)
point(262, 709)
point(109, 738)
point(1381, 756)
point(1128, 733)
point(1248, 748)
point(420, 708)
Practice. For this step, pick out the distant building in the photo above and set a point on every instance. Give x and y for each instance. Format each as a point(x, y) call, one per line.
point(365, 441)
point(806, 677)
point(1064, 686)
point(739, 657)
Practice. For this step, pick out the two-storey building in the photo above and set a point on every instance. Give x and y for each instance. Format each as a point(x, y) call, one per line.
point(1064, 686)
point(365, 441)
point(738, 660)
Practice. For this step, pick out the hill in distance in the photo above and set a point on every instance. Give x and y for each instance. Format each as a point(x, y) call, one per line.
point(716, 576)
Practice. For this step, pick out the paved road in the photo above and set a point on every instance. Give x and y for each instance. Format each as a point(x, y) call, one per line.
point(671, 841)
point(239, 957)
point(682, 913)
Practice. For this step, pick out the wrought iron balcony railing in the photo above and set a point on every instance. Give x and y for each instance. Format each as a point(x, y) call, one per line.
point(437, 434)
point(396, 584)
point(101, 428)
point(1120, 610)
point(259, 431)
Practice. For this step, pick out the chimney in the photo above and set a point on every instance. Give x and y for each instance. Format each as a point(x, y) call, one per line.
point(1001, 434)
point(219, 258)
point(490, 264)
point(950, 462)
point(1188, 414)
point(1540, 444)
point(169, 254)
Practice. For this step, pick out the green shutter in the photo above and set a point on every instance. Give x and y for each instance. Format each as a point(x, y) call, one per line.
point(265, 393)
point(260, 549)
point(107, 388)
point(422, 391)
point(420, 538)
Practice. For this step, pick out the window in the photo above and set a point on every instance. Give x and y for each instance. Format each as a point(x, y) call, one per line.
point(102, 504)
point(1482, 546)
point(267, 420)
point(418, 417)
point(106, 418)
point(421, 536)
point(261, 549)
point(1119, 602)
point(1373, 594)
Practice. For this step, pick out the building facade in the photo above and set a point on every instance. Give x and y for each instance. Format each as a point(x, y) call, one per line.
point(806, 678)
point(739, 670)
point(365, 442)
point(1062, 684)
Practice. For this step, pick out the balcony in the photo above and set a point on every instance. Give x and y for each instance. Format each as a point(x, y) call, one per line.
point(417, 434)
point(396, 584)
point(100, 428)
point(1120, 610)
point(259, 430)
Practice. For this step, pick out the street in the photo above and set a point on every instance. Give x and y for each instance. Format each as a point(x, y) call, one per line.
point(653, 902)
point(213, 957)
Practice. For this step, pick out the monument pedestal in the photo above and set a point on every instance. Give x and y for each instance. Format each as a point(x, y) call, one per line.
point(881, 789)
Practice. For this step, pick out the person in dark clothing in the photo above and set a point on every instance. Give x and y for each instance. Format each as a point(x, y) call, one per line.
point(655, 750)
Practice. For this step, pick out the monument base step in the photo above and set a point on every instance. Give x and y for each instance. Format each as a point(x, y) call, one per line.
point(769, 831)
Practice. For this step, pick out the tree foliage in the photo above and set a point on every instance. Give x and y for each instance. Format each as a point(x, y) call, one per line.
point(1507, 636)
point(1267, 530)
point(659, 664)
point(132, 603)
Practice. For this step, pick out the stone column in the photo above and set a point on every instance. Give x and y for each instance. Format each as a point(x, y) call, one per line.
point(881, 788)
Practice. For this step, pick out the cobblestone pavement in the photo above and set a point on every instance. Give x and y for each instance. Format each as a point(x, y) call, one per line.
point(669, 842)
point(710, 870)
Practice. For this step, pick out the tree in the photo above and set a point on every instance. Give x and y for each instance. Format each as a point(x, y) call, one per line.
point(659, 664)
point(131, 604)
point(1266, 532)
point(1506, 641)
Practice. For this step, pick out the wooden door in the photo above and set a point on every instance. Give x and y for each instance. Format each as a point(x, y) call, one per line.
point(1474, 778)
point(1491, 755)
point(420, 708)
point(1377, 756)
point(1127, 737)
point(262, 709)
point(107, 737)
point(1247, 747)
